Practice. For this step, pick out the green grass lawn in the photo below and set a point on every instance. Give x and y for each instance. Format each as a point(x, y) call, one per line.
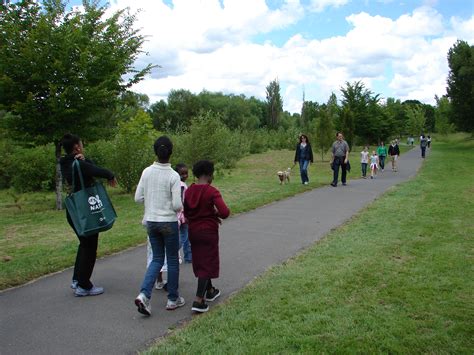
point(397, 278)
point(36, 240)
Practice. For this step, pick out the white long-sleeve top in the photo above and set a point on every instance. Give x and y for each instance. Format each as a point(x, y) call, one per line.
point(160, 189)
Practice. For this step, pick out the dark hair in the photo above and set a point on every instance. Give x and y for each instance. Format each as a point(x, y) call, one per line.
point(179, 166)
point(203, 167)
point(304, 135)
point(338, 133)
point(163, 148)
point(69, 141)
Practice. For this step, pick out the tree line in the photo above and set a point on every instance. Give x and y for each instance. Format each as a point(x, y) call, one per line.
point(68, 71)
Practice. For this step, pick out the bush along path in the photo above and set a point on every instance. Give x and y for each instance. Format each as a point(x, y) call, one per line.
point(45, 317)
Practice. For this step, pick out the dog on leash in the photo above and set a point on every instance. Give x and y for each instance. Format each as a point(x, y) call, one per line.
point(284, 176)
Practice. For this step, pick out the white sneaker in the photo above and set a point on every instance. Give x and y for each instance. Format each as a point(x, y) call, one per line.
point(143, 304)
point(160, 285)
point(172, 305)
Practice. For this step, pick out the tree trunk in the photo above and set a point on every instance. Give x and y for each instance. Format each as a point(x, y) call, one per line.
point(59, 178)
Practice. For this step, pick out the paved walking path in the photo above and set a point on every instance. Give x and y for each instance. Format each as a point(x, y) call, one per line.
point(44, 317)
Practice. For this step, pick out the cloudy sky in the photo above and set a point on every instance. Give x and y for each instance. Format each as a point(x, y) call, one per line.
point(396, 47)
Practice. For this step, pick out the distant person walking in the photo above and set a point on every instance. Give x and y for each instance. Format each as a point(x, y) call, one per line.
point(339, 158)
point(304, 156)
point(394, 152)
point(159, 189)
point(204, 208)
point(374, 164)
point(382, 153)
point(364, 160)
point(428, 141)
point(423, 145)
point(182, 170)
point(87, 250)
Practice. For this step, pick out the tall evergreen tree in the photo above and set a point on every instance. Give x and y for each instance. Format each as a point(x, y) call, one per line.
point(461, 85)
point(274, 103)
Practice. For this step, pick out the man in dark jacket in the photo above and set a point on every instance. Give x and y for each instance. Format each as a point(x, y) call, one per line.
point(394, 152)
point(87, 250)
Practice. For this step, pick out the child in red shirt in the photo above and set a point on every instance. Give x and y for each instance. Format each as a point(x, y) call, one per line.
point(204, 208)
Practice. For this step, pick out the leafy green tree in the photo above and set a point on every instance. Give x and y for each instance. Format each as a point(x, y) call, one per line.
point(355, 102)
point(309, 112)
point(63, 71)
point(274, 103)
point(182, 107)
point(461, 85)
point(396, 117)
point(443, 113)
point(416, 119)
point(324, 131)
point(347, 121)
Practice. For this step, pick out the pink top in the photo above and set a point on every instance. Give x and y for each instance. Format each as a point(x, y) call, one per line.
point(181, 218)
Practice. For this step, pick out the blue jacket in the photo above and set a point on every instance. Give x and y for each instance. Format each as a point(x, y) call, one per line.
point(304, 154)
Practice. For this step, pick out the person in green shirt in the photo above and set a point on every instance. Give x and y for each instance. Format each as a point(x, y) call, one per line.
point(382, 153)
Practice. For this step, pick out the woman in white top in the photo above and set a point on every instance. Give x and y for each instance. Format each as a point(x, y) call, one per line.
point(160, 190)
point(364, 160)
point(374, 164)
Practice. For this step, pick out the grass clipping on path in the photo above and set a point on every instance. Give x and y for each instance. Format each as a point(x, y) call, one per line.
point(397, 279)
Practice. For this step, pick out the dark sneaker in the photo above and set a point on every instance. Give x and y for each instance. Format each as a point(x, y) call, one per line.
point(212, 294)
point(200, 307)
point(94, 291)
point(344, 184)
point(333, 184)
point(143, 304)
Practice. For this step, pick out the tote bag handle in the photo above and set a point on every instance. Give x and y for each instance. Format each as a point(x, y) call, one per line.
point(76, 165)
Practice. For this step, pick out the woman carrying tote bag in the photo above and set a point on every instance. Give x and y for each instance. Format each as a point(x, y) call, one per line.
point(87, 250)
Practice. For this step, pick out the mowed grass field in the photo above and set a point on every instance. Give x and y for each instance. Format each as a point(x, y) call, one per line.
point(397, 278)
point(36, 240)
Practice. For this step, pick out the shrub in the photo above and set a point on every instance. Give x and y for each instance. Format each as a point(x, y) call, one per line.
point(210, 139)
point(7, 149)
point(101, 153)
point(132, 150)
point(33, 169)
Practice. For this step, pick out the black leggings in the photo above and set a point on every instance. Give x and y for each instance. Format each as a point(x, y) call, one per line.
point(204, 285)
point(85, 258)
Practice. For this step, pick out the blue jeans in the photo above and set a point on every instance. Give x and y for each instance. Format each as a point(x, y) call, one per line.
point(364, 169)
point(304, 170)
point(164, 237)
point(184, 241)
point(382, 161)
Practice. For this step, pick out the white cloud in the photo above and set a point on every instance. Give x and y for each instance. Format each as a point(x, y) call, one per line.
point(321, 5)
point(207, 44)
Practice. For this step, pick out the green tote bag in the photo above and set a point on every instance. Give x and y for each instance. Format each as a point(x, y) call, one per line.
point(90, 208)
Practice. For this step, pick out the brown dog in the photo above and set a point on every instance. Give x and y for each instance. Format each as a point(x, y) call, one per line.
point(284, 176)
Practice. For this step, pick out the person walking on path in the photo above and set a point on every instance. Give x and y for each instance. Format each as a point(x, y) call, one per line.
point(382, 153)
point(304, 156)
point(87, 250)
point(428, 141)
point(204, 207)
point(182, 170)
point(374, 164)
point(339, 158)
point(159, 189)
point(364, 160)
point(423, 145)
point(394, 152)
